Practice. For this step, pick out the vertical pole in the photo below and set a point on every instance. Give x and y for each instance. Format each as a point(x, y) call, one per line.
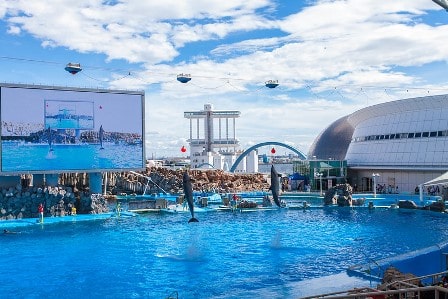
point(374, 186)
point(197, 128)
point(420, 191)
point(320, 179)
point(234, 135)
point(105, 183)
point(374, 176)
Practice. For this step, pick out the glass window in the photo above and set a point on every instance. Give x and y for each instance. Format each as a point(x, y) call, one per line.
point(433, 134)
point(425, 134)
point(411, 135)
point(418, 135)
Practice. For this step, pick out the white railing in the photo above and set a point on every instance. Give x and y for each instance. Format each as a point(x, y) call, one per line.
point(403, 288)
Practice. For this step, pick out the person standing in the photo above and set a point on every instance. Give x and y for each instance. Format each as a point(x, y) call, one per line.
point(40, 209)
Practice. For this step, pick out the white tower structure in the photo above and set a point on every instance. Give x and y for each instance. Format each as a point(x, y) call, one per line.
point(213, 141)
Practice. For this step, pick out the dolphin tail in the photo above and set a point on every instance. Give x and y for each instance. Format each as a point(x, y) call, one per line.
point(193, 220)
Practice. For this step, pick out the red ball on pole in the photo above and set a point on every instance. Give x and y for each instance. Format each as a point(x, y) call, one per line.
point(183, 149)
point(273, 150)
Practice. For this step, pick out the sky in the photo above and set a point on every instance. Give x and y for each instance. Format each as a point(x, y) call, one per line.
point(330, 57)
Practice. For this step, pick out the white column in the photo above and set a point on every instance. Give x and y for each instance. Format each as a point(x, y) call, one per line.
point(374, 176)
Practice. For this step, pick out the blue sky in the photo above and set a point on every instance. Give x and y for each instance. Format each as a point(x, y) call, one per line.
point(331, 58)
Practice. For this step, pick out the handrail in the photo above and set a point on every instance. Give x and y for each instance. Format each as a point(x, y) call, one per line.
point(360, 292)
point(149, 180)
point(407, 280)
point(354, 293)
point(336, 293)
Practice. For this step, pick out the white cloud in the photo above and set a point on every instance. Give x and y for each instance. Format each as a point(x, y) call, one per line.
point(138, 31)
point(14, 30)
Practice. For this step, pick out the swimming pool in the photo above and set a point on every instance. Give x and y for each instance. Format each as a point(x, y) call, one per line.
point(225, 255)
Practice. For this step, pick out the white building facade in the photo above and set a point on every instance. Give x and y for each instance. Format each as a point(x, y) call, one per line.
point(397, 145)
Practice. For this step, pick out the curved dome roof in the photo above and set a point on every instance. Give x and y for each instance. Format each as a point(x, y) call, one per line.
point(399, 106)
point(333, 142)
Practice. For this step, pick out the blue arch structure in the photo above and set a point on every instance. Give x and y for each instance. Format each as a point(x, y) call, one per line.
point(203, 164)
point(246, 152)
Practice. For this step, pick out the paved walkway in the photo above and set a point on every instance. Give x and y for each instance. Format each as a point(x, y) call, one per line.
point(8, 224)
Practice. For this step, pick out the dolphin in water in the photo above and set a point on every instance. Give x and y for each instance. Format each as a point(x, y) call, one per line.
point(275, 186)
point(50, 141)
point(101, 136)
point(188, 190)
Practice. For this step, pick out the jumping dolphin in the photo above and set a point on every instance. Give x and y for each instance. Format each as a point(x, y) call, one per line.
point(101, 136)
point(275, 185)
point(50, 141)
point(188, 190)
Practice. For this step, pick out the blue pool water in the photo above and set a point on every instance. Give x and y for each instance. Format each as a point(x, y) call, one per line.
point(31, 157)
point(225, 255)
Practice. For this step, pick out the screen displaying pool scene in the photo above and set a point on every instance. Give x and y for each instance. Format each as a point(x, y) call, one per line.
point(49, 129)
point(69, 114)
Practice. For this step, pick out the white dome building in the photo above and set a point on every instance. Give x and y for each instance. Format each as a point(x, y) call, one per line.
point(404, 143)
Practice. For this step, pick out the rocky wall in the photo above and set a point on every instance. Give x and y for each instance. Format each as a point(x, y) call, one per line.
point(18, 202)
point(202, 180)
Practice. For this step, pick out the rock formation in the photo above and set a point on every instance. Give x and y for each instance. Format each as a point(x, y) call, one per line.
point(438, 206)
point(407, 204)
point(392, 277)
point(168, 180)
point(17, 202)
point(340, 194)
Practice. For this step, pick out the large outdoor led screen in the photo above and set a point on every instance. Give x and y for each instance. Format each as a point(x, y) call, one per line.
point(55, 129)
